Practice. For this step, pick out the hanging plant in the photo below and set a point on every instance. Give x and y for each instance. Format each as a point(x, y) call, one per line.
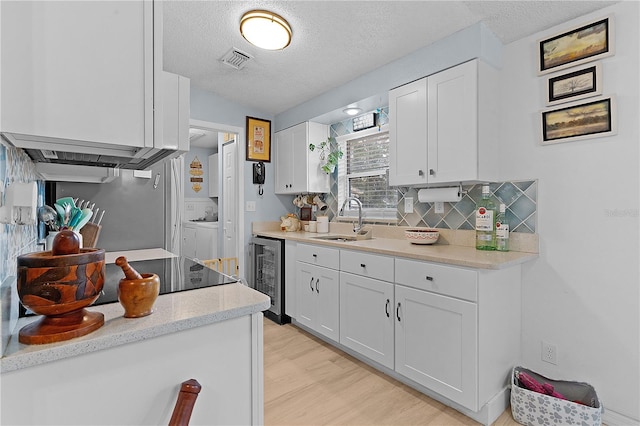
point(330, 153)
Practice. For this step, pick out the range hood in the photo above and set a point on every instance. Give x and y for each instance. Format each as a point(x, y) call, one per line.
point(82, 153)
point(73, 173)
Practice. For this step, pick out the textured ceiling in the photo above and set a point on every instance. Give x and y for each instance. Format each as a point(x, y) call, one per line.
point(333, 41)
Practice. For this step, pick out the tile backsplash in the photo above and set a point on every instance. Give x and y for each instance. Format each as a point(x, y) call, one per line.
point(520, 198)
point(15, 240)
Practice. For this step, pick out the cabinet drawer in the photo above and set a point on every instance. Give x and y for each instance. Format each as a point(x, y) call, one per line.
point(367, 265)
point(321, 256)
point(447, 280)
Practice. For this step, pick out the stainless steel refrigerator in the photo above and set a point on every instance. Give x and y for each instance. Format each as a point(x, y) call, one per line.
point(137, 210)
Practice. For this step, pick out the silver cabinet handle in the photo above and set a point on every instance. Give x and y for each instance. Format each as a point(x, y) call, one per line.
point(429, 278)
point(317, 281)
point(311, 283)
point(386, 307)
point(432, 172)
point(362, 265)
point(420, 173)
point(398, 312)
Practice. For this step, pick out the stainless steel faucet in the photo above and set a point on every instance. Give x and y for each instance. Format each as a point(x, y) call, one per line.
point(357, 228)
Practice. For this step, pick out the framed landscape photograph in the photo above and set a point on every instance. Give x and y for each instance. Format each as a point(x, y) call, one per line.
point(579, 120)
point(580, 84)
point(258, 139)
point(584, 44)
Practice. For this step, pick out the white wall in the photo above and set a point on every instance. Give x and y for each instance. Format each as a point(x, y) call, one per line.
point(582, 293)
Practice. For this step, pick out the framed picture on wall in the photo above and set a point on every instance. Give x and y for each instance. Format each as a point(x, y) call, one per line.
point(579, 120)
point(580, 84)
point(258, 139)
point(584, 44)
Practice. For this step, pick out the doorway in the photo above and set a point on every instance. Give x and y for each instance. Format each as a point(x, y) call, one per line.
point(224, 139)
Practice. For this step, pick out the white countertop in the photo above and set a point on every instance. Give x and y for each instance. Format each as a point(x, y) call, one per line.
point(387, 242)
point(172, 313)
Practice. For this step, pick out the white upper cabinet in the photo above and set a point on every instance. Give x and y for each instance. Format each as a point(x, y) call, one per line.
point(82, 70)
point(297, 169)
point(408, 134)
point(443, 128)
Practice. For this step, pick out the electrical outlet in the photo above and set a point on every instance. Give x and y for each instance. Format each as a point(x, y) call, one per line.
point(439, 207)
point(408, 205)
point(190, 207)
point(251, 206)
point(549, 353)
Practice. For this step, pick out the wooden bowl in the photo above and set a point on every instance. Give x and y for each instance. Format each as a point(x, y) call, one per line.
point(138, 296)
point(60, 287)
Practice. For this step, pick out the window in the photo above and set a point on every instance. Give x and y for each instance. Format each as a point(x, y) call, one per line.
point(363, 172)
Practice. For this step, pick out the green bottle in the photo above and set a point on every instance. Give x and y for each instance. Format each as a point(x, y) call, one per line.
point(502, 230)
point(486, 221)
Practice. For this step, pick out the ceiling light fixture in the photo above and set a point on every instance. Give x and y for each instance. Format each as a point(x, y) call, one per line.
point(265, 30)
point(352, 110)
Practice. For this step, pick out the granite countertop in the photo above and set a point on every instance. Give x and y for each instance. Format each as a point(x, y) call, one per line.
point(172, 313)
point(453, 247)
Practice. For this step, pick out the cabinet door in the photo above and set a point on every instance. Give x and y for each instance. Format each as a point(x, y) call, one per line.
point(328, 303)
point(366, 317)
point(79, 70)
point(436, 343)
point(283, 161)
point(408, 134)
point(305, 294)
point(453, 124)
point(298, 165)
point(189, 242)
point(317, 179)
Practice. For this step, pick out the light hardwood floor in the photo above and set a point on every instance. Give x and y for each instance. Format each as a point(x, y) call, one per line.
point(308, 382)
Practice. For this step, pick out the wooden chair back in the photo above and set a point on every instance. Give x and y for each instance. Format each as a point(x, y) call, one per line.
point(226, 265)
point(189, 391)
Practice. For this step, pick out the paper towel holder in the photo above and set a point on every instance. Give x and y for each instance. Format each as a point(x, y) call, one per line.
point(442, 194)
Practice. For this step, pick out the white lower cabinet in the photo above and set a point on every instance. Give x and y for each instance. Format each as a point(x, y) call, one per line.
point(367, 317)
point(452, 330)
point(437, 343)
point(317, 291)
point(199, 241)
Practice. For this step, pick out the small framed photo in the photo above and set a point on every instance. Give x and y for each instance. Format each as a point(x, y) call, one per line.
point(578, 46)
point(579, 120)
point(580, 84)
point(258, 139)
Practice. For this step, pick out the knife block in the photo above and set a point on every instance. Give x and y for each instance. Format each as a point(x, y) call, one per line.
point(90, 233)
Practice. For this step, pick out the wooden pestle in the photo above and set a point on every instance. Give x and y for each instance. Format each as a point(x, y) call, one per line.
point(129, 272)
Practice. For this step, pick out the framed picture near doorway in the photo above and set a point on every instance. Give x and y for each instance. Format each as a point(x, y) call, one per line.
point(258, 139)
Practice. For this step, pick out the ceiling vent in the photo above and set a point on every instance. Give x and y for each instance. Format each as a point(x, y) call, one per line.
point(236, 58)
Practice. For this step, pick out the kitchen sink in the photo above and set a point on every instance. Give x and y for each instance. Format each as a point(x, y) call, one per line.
point(342, 238)
point(362, 235)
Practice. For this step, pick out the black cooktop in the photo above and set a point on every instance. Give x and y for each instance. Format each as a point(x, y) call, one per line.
point(176, 274)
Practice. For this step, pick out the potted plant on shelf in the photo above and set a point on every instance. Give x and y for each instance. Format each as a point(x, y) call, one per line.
point(330, 153)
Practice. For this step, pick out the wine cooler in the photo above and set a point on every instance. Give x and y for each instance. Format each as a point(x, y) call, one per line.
point(267, 274)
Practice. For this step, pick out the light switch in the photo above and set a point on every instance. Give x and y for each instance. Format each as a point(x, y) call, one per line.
point(408, 205)
point(439, 207)
point(251, 206)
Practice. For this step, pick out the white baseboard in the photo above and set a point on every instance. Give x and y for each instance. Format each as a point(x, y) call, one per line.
point(611, 418)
